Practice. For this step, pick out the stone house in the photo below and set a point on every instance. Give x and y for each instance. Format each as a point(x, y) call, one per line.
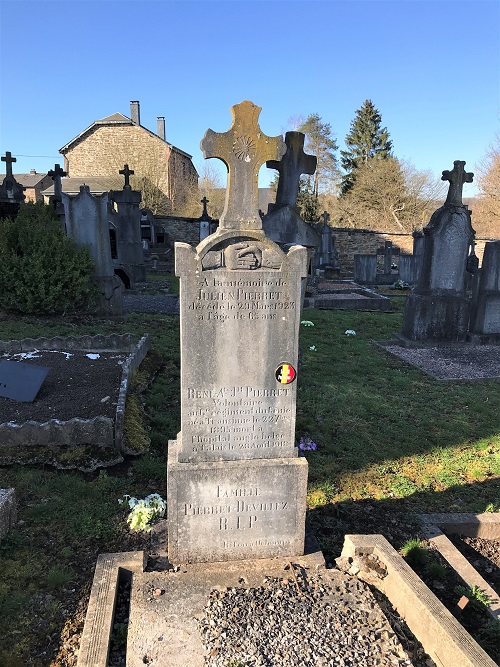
point(164, 173)
point(34, 184)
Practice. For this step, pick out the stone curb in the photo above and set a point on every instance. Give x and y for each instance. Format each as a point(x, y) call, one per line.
point(8, 511)
point(131, 364)
point(486, 526)
point(441, 635)
point(109, 571)
point(95, 343)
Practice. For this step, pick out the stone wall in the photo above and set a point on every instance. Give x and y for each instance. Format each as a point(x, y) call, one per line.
point(350, 242)
point(185, 230)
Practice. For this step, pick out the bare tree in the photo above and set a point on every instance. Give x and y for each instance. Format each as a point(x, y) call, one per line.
point(486, 208)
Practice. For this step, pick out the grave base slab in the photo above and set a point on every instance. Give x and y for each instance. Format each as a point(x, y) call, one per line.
point(436, 317)
point(235, 510)
point(165, 606)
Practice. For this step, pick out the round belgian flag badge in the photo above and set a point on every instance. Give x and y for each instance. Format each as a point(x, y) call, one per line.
point(285, 373)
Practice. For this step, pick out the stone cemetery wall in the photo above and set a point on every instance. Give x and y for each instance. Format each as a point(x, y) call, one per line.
point(350, 242)
point(177, 229)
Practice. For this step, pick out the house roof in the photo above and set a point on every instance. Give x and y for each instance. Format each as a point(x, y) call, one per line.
point(97, 185)
point(118, 119)
point(27, 180)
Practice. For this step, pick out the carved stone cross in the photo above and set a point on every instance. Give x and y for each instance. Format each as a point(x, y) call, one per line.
point(457, 177)
point(243, 149)
point(204, 215)
point(56, 175)
point(291, 166)
point(326, 217)
point(127, 173)
point(8, 159)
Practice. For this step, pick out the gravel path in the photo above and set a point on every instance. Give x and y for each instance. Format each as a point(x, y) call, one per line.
point(167, 304)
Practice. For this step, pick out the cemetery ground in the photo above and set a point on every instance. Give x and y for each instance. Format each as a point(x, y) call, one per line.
point(392, 442)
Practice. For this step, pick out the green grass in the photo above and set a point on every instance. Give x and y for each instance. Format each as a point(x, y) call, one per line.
point(388, 437)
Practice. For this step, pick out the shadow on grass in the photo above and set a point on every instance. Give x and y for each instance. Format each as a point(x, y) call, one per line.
point(394, 518)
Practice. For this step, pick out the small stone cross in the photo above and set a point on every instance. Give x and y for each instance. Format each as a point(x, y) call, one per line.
point(127, 173)
point(243, 149)
point(457, 177)
point(291, 166)
point(8, 159)
point(326, 217)
point(204, 215)
point(56, 175)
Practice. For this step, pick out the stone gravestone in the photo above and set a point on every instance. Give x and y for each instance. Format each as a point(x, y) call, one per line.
point(86, 219)
point(485, 318)
point(11, 192)
point(235, 486)
point(438, 310)
point(283, 223)
point(56, 199)
point(388, 254)
point(205, 220)
point(126, 219)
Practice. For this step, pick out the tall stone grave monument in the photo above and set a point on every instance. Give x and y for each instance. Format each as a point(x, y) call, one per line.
point(86, 220)
point(438, 310)
point(11, 192)
point(126, 218)
point(283, 223)
point(485, 318)
point(235, 486)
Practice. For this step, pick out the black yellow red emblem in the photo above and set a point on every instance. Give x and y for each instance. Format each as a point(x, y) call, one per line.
point(285, 373)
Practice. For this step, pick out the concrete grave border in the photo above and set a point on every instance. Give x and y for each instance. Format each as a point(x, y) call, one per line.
point(487, 526)
point(441, 635)
point(104, 432)
point(8, 511)
point(110, 571)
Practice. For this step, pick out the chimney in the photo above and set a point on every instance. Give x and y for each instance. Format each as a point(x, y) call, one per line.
point(32, 171)
point(135, 112)
point(161, 127)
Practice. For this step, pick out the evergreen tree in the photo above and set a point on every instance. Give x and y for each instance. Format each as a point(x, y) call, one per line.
point(319, 142)
point(366, 140)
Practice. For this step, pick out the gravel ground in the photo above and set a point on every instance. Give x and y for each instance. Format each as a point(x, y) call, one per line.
point(167, 304)
point(78, 384)
point(454, 362)
point(325, 620)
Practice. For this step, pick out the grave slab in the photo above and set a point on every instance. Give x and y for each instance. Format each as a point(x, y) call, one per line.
point(21, 381)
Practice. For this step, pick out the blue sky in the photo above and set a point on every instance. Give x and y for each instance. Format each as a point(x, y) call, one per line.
point(430, 67)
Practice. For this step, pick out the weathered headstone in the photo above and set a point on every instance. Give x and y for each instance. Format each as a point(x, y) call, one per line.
point(283, 223)
point(86, 219)
point(56, 199)
point(438, 310)
point(205, 220)
point(235, 486)
point(125, 216)
point(20, 381)
point(485, 318)
point(388, 254)
point(11, 192)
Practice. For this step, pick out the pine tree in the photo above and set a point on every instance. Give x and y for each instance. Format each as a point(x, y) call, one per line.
point(366, 140)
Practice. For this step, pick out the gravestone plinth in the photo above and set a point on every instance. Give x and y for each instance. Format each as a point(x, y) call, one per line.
point(485, 319)
point(236, 488)
point(127, 220)
point(438, 310)
point(235, 510)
